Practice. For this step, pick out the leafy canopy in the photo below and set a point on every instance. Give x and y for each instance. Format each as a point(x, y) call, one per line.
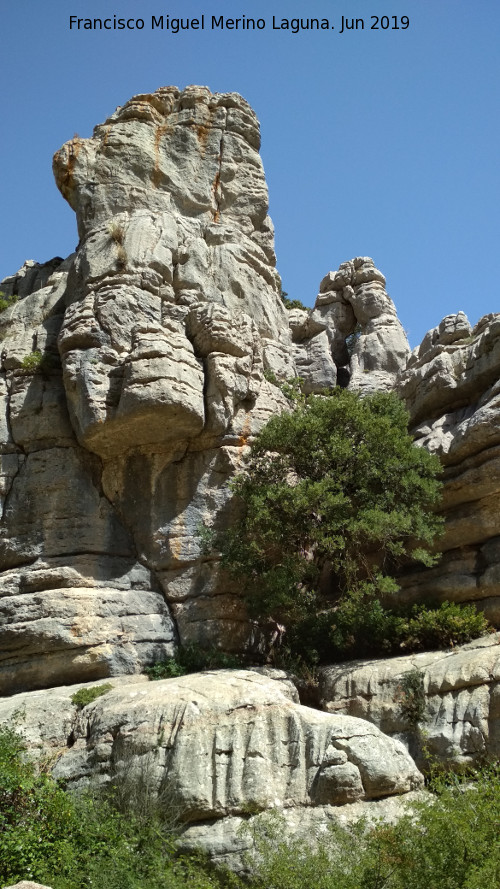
point(335, 497)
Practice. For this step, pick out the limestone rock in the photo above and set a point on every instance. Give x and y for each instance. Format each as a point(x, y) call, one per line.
point(451, 389)
point(132, 378)
point(27, 884)
point(353, 335)
point(229, 842)
point(219, 744)
point(462, 699)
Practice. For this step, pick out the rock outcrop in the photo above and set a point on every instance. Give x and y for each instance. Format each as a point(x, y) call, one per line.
point(452, 390)
point(215, 745)
point(133, 375)
point(460, 719)
point(352, 337)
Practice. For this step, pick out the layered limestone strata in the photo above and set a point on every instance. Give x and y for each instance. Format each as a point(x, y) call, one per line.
point(452, 390)
point(155, 354)
point(148, 350)
point(352, 337)
point(135, 372)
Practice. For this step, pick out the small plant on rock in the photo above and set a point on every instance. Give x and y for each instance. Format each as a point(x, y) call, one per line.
point(412, 697)
point(121, 257)
point(7, 301)
point(38, 362)
point(86, 695)
point(116, 232)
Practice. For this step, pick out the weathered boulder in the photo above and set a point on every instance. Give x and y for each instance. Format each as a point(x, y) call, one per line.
point(216, 745)
point(460, 721)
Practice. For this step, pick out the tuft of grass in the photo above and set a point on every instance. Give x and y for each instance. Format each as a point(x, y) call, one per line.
point(121, 257)
point(116, 232)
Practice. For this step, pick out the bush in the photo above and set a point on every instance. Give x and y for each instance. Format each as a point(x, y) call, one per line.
point(7, 301)
point(39, 362)
point(86, 695)
point(447, 842)
point(336, 496)
point(193, 659)
point(291, 303)
point(69, 842)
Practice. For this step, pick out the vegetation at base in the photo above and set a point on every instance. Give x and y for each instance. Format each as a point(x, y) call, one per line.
point(412, 700)
point(69, 841)
point(86, 695)
point(335, 498)
point(7, 301)
point(193, 659)
point(447, 842)
point(72, 841)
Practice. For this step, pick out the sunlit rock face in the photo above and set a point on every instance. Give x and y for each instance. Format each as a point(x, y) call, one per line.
point(452, 390)
point(174, 309)
point(460, 704)
point(216, 747)
point(353, 337)
point(150, 345)
point(135, 372)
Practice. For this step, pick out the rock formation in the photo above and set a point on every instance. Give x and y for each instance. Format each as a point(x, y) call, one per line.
point(133, 375)
point(460, 718)
point(451, 386)
point(215, 745)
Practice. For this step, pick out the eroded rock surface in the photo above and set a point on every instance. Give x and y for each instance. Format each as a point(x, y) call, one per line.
point(216, 745)
point(132, 378)
point(460, 720)
point(135, 372)
point(353, 336)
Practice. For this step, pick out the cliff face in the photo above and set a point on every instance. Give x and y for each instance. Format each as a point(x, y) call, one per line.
point(135, 371)
point(133, 375)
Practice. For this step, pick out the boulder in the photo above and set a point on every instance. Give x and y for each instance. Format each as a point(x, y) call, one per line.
point(217, 745)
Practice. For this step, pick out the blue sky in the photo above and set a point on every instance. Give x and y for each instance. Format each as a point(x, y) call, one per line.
point(379, 143)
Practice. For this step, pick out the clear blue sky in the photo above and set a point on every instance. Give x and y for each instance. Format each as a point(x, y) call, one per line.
point(379, 143)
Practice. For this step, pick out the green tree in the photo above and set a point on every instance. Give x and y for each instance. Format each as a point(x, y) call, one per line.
point(335, 497)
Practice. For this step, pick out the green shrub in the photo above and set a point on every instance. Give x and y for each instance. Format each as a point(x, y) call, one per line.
point(70, 842)
point(86, 695)
point(412, 699)
point(335, 497)
point(291, 303)
point(193, 659)
point(7, 301)
point(447, 842)
point(39, 362)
